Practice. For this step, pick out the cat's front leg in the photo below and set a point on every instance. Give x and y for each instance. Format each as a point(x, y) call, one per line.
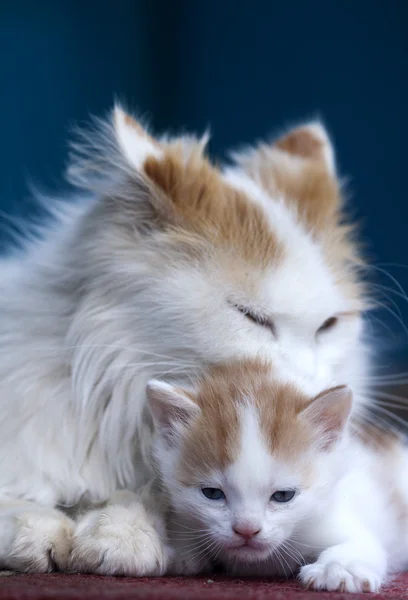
point(33, 538)
point(126, 537)
point(356, 564)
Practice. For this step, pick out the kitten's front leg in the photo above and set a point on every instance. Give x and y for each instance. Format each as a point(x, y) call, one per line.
point(356, 564)
point(126, 537)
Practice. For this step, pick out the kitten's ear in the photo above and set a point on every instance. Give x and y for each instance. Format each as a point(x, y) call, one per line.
point(300, 166)
point(171, 408)
point(135, 143)
point(329, 412)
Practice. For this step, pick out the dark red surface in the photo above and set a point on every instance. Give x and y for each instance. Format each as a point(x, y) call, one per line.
point(39, 587)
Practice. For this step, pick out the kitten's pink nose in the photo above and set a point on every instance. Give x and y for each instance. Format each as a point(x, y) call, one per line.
point(246, 530)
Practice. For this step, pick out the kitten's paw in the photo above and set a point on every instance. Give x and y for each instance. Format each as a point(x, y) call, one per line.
point(333, 576)
point(118, 541)
point(42, 541)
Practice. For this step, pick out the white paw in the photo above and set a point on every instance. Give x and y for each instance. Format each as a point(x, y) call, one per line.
point(42, 541)
point(118, 540)
point(333, 576)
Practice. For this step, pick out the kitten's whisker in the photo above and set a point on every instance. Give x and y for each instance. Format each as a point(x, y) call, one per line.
point(198, 545)
point(188, 536)
point(287, 550)
point(293, 552)
point(201, 553)
point(220, 548)
point(278, 554)
point(185, 526)
point(313, 547)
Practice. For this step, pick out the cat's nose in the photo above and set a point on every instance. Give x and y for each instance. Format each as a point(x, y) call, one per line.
point(246, 530)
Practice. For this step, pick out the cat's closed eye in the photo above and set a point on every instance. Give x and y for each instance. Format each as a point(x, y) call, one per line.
point(213, 493)
point(328, 324)
point(255, 318)
point(283, 496)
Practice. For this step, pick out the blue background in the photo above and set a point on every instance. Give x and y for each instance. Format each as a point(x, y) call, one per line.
point(244, 68)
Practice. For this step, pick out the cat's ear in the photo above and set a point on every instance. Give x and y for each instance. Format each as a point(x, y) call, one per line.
point(308, 142)
point(300, 166)
point(329, 413)
point(137, 176)
point(135, 143)
point(109, 154)
point(171, 408)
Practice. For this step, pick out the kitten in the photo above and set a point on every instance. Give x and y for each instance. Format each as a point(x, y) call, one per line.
point(264, 479)
point(161, 264)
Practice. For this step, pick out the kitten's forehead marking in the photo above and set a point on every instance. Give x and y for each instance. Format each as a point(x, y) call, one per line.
point(246, 416)
point(252, 469)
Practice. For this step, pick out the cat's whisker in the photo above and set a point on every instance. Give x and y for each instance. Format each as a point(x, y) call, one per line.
point(373, 317)
point(395, 397)
point(393, 417)
point(370, 418)
point(391, 302)
point(400, 407)
point(393, 279)
point(397, 317)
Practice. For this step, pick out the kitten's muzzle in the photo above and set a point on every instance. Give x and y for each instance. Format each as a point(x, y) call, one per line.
point(246, 531)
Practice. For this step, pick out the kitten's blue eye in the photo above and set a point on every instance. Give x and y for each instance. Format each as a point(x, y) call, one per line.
point(283, 495)
point(213, 493)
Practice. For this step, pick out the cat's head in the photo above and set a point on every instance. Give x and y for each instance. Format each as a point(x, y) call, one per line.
point(244, 459)
point(213, 265)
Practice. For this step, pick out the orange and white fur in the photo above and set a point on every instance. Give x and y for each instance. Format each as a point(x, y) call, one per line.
point(264, 479)
point(160, 265)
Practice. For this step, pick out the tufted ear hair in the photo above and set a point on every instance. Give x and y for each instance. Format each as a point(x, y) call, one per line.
point(134, 141)
point(300, 166)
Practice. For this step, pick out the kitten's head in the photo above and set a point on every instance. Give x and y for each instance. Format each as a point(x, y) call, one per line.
point(213, 265)
point(244, 459)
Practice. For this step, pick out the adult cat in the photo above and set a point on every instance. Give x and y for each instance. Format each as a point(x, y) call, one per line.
point(162, 264)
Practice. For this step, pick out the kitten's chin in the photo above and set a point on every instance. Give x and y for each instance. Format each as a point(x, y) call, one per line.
point(248, 554)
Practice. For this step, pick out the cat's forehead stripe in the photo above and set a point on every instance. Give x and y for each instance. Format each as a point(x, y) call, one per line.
point(226, 212)
point(212, 208)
